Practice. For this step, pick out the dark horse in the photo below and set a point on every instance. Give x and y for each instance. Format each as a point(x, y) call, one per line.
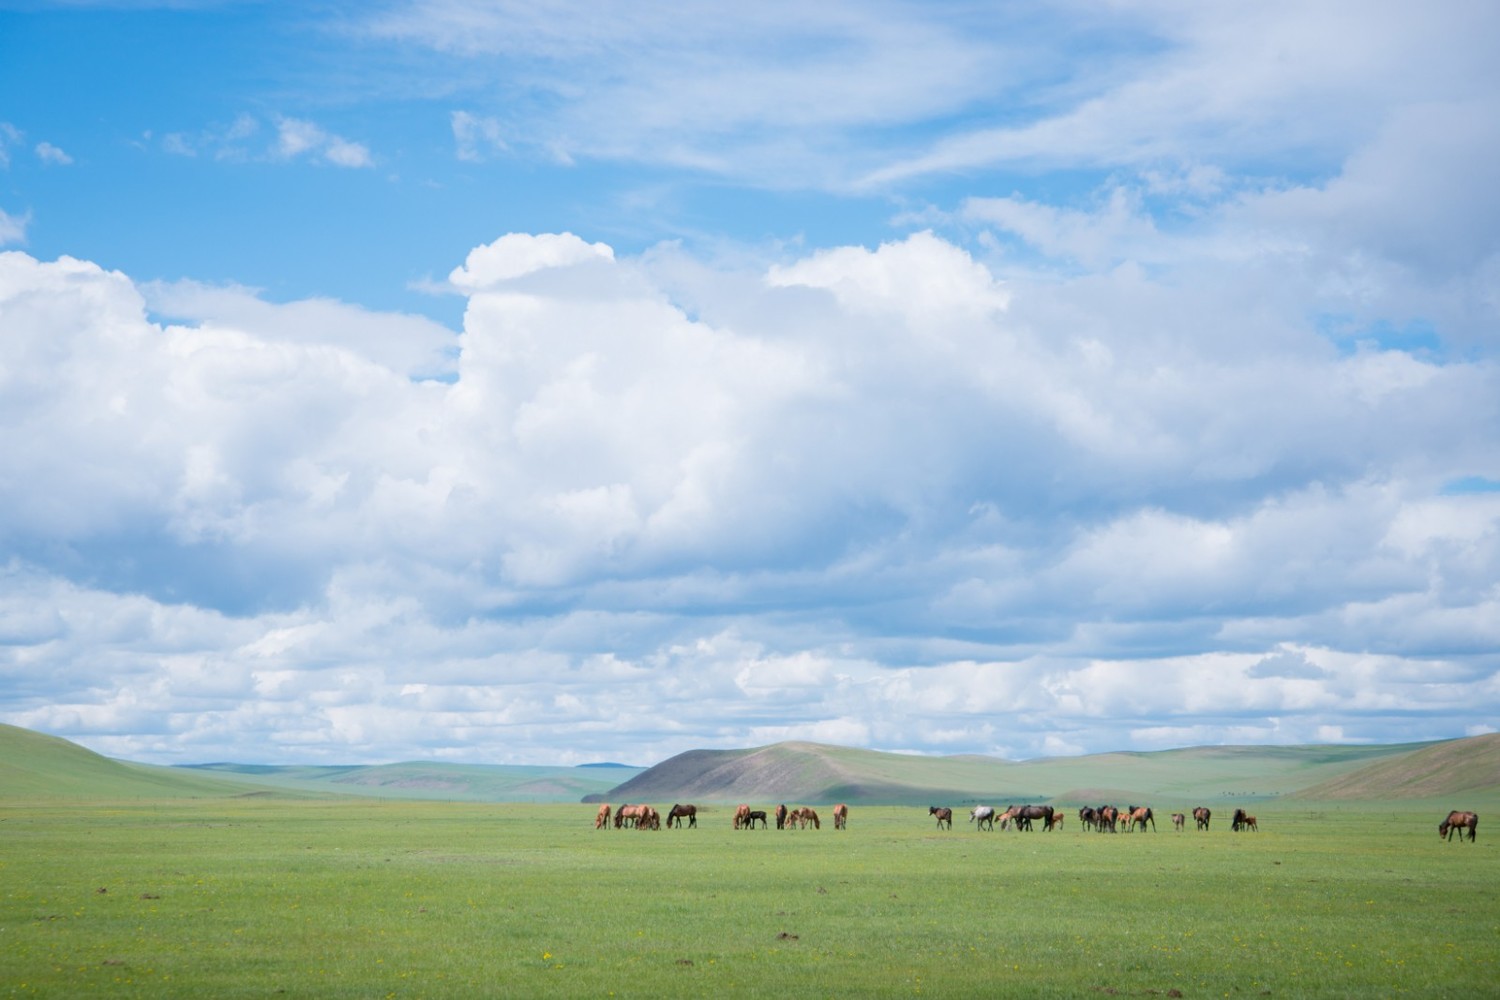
point(781, 816)
point(755, 814)
point(678, 812)
point(1201, 816)
point(943, 814)
point(1459, 821)
point(1025, 814)
point(1237, 822)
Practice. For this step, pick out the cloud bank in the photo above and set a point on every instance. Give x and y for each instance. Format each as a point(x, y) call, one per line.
point(876, 496)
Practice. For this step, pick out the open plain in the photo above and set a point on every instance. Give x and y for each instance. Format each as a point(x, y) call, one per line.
point(262, 895)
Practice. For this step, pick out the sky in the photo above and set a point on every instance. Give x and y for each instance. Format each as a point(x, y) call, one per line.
point(559, 382)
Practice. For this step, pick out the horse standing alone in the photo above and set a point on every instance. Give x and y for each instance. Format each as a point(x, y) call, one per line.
point(943, 814)
point(1459, 821)
point(840, 816)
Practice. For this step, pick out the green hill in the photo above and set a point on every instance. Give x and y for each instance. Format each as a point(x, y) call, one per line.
point(429, 780)
point(34, 765)
point(1456, 767)
point(810, 772)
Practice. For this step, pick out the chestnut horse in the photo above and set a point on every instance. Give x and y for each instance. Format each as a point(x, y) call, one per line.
point(601, 820)
point(678, 812)
point(1249, 824)
point(1142, 815)
point(806, 815)
point(943, 814)
point(1459, 821)
point(1179, 821)
point(840, 816)
point(1201, 816)
point(741, 815)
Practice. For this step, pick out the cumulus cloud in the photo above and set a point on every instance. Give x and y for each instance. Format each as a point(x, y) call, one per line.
point(874, 495)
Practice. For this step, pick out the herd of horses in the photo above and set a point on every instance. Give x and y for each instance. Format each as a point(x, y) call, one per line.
point(643, 817)
point(1098, 818)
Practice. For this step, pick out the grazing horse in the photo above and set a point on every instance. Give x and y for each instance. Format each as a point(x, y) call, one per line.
point(1201, 816)
point(841, 817)
point(781, 816)
point(752, 816)
point(741, 816)
point(1237, 820)
point(807, 815)
point(678, 812)
point(1141, 816)
point(1025, 814)
point(1459, 821)
point(627, 816)
point(982, 816)
point(601, 821)
point(943, 814)
point(1179, 822)
point(650, 819)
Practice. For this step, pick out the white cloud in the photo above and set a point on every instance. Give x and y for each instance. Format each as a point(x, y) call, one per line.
point(48, 153)
point(13, 228)
point(476, 137)
point(867, 495)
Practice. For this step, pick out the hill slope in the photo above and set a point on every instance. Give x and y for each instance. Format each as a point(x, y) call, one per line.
point(810, 772)
point(34, 765)
point(429, 780)
point(1442, 769)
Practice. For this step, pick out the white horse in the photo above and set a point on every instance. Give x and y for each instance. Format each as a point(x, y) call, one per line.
point(982, 815)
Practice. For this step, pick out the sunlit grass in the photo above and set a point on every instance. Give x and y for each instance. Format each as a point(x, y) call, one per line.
point(359, 899)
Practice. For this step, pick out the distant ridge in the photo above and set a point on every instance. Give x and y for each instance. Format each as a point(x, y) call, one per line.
point(35, 765)
point(1470, 765)
point(798, 772)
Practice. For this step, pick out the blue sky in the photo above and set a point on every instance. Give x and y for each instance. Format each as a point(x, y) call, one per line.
point(534, 383)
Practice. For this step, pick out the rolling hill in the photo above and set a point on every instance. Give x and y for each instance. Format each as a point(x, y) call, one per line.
point(34, 765)
point(809, 772)
point(1456, 767)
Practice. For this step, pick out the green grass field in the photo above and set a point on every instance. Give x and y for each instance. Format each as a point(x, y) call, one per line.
point(262, 896)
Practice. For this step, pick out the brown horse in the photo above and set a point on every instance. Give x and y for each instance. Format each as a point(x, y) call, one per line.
point(601, 820)
point(781, 816)
point(1237, 820)
point(840, 816)
point(1179, 822)
point(807, 815)
point(628, 816)
point(1201, 816)
point(1459, 821)
point(1249, 823)
point(1108, 816)
point(1140, 816)
point(943, 814)
point(741, 816)
point(679, 812)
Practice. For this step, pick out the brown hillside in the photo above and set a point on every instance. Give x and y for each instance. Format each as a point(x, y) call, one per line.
point(784, 769)
point(1455, 767)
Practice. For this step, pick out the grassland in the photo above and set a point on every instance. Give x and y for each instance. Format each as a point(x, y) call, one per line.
point(260, 896)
